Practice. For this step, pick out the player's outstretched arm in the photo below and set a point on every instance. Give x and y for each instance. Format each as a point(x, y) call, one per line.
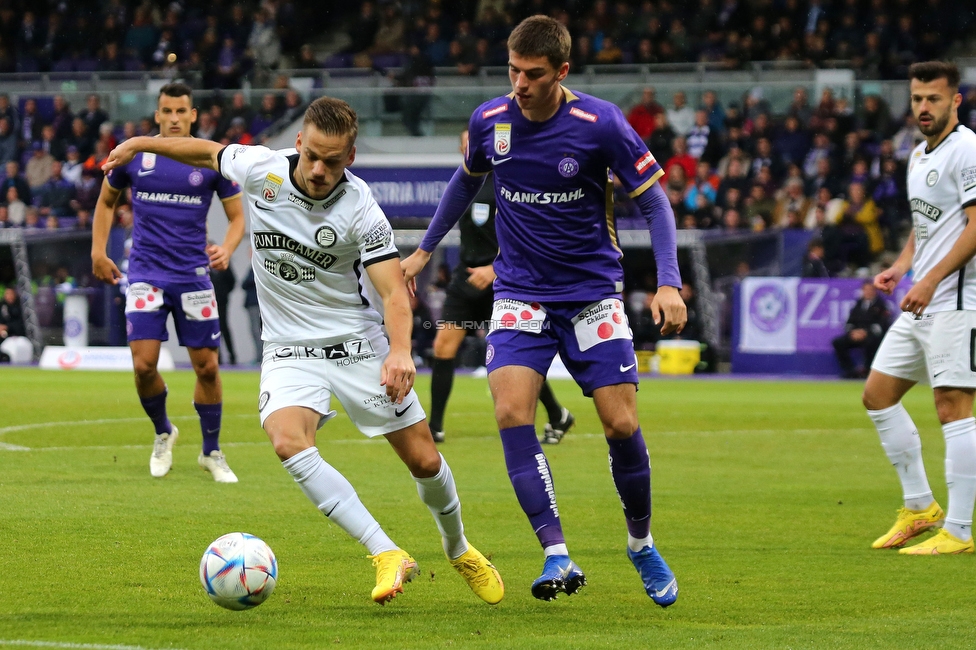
point(920, 295)
point(195, 152)
point(887, 280)
point(102, 266)
point(398, 371)
point(220, 255)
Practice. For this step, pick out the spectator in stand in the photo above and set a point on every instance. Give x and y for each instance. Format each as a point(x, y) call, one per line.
point(14, 179)
point(30, 123)
point(8, 111)
point(681, 117)
point(61, 121)
point(240, 108)
point(825, 178)
point(713, 109)
point(106, 134)
point(676, 179)
point(705, 184)
point(8, 141)
point(11, 315)
point(764, 157)
point(93, 115)
point(72, 166)
point(50, 144)
point(866, 325)
point(660, 142)
point(861, 208)
point(907, 138)
point(703, 144)
point(791, 201)
point(681, 157)
point(39, 167)
point(874, 122)
point(237, 133)
point(792, 143)
point(418, 74)
point(94, 162)
point(822, 148)
point(16, 209)
point(267, 114)
point(294, 106)
point(206, 128)
point(758, 214)
point(890, 196)
point(81, 138)
point(86, 194)
point(813, 264)
point(55, 196)
point(641, 117)
point(392, 30)
point(735, 163)
point(264, 46)
point(800, 106)
point(228, 70)
point(732, 222)
point(831, 208)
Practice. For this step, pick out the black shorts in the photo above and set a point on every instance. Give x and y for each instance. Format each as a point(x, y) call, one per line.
point(465, 305)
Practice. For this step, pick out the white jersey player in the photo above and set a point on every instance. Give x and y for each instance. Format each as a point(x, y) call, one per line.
point(933, 340)
point(336, 324)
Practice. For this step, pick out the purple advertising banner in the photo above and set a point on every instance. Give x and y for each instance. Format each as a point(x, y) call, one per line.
point(406, 191)
point(822, 307)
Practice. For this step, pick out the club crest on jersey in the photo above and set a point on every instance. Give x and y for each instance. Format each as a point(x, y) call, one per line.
point(932, 178)
point(568, 167)
point(195, 177)
point(148, 161)
point(480, 213)
point(272, 184)
point(503, 139)
point(325, 236)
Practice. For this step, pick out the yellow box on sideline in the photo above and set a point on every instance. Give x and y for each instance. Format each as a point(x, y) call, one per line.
point(644, 359)
point(678, 357)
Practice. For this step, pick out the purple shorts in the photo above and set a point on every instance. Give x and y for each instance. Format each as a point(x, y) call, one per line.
point(193, 305)
point(593, 339)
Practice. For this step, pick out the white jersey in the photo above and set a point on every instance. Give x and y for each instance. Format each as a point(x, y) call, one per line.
point(941, 184)
point(309, 254)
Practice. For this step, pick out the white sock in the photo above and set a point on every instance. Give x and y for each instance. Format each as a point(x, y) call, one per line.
point(899, 438)
point(960, 437)
point(555, 549)
point(635, 544)
point(440, 496)
point(335, 497)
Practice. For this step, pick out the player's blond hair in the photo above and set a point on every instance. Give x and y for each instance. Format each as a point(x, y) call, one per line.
point(332, 116)
point(541, 36)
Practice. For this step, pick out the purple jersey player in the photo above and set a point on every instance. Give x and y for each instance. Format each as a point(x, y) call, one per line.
point(169, 273)
point(552, 152)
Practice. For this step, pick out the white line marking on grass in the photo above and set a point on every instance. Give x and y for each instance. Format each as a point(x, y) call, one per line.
point(4, 446)
point(58, 644)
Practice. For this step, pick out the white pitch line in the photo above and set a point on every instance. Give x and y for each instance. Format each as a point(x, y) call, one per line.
point(58, 644)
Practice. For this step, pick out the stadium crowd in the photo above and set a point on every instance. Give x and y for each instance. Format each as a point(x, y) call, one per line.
point(877, 38)
point(51, 156)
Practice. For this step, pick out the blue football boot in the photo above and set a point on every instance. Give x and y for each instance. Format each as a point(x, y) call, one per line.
point(558, 574)
point(659, 581)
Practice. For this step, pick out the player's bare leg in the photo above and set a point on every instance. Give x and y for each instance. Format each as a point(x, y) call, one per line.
point(630, 467)
point(152, 394)
point(292, 433)
point(207, 400)
point(446, 344)
point(515, 390)
point(899, 439)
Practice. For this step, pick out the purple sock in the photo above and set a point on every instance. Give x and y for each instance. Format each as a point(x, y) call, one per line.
point(630, 466)
point(528, 470)
point(155, 408)
point(210, 425)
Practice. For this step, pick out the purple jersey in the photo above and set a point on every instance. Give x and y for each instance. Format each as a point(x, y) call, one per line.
point(553, 186)
point(170, 202)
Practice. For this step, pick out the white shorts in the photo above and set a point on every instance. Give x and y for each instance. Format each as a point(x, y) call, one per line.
point(939, 349)
point(294, 375)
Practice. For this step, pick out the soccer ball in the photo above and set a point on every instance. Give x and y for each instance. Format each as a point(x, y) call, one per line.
point(238, 571)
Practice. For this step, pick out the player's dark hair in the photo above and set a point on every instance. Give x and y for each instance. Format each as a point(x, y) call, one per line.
point(541, 36)
point(332, 116)
point(177, 89)
point(927, 71)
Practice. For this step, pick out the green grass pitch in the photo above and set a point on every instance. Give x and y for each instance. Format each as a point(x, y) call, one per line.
point(767, 496)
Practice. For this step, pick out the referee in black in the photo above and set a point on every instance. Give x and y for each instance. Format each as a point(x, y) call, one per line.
point(468, 303)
